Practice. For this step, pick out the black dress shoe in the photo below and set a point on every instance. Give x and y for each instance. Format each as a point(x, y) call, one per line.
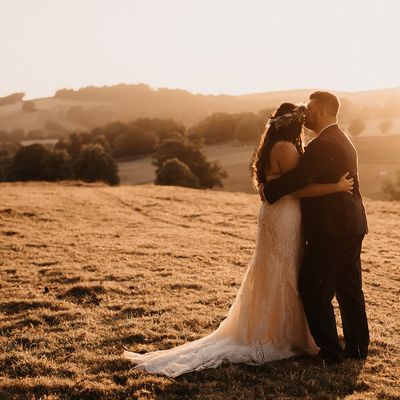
point(355, 353)
point(327, 360)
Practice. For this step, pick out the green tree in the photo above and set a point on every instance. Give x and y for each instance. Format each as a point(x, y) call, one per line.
point(4, 136)
point(175, 172)
point(54, 128)
point(385, 126)
point(28, 163)
point(57, 166)
point(392, 188)
point(356, 126)
point(17, 134)
point(74, 142)
point(35, 134)
point(94, 163)
point(216, 128)
point(248, 128)
point(163, 128)
point(78, 115)
point(134, 141)
point(12, 98)
point(29, 106)
point(209, 174)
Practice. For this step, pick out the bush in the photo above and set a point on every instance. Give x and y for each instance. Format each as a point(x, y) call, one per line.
point(74, 142)
point(163, 128)
point(248, 128)
point(209, 174)
point(356, 126)
point(392, 189)
point(94, 163)
point(29, 106)
point(35, 134)
point(216, 128)
point(78, 115)
point(57, 166)
point(134, 142)
point(12, 98)
point(28, 163)
point(7, 152)
point(17, 134)
point(175, 172)
point(54, 127)
point(35, 162)
point(4, 136)
point(385, 126)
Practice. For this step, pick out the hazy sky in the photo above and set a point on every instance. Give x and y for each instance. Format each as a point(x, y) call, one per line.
point(203, 46)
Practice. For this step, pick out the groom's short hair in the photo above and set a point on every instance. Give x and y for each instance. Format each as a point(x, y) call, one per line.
point(326, 100)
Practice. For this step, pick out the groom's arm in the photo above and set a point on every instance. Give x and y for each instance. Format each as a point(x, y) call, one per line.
point(313, 164)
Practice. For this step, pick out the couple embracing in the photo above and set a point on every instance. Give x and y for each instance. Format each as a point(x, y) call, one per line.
point(311, 225)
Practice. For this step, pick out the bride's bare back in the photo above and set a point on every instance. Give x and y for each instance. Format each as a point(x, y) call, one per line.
point(283, 158)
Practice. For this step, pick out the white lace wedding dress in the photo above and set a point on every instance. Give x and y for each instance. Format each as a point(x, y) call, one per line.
point(266, 321)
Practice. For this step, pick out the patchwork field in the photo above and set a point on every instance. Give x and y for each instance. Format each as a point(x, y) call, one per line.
point(88, 270)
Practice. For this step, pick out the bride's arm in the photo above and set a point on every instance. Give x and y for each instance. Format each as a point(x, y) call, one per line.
point(322, 189)
point(286, 157)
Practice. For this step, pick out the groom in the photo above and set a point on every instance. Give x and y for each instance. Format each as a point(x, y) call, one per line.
point(334, 227)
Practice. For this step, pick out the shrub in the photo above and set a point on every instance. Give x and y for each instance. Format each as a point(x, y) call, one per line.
point(248, 128)
point(392, 188)
point(28, 163)
point(12, 98)
point(163, 128)
point(17, 134)
point(356, 126)
point(54, 127)
point(385, 126)
point(74, 142)
point(209, 174)
point(4, 136)
point(94, 163)
point(216, 128)
point(57, 166)
point(135, 141)
point(35, 134)
point(29, 106)
point(175, 172)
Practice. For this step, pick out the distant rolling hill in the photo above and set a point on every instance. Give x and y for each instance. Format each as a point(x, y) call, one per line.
point(95, 106)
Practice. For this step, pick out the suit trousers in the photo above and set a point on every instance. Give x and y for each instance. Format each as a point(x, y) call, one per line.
point(332, 266)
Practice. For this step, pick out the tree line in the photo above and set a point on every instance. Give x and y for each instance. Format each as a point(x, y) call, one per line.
point(177, 152)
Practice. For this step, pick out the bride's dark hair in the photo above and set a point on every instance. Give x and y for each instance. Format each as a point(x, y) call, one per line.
point(271, 135)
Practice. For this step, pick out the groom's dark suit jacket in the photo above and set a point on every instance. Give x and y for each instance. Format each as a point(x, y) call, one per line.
point(325, 160)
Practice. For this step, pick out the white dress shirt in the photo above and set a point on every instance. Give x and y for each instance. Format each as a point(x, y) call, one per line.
point(326, 127)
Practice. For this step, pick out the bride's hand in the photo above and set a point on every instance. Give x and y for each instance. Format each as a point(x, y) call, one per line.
point(345, 185)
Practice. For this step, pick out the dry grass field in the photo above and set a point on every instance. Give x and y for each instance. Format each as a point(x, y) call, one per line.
point(87, 270)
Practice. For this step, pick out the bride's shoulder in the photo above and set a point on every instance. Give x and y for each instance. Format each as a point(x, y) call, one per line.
point(283, 146)
point(285, 155)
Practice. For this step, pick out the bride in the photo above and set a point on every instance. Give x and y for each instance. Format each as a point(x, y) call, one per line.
point(266, 321)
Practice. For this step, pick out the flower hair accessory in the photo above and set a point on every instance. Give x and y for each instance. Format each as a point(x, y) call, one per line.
point(296, 115)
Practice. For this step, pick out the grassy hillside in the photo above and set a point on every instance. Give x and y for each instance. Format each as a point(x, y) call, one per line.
point(100, 105)
point(378, 160)
point(86, 270)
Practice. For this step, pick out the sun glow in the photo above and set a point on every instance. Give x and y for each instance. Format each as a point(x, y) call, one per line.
point(231, 47)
